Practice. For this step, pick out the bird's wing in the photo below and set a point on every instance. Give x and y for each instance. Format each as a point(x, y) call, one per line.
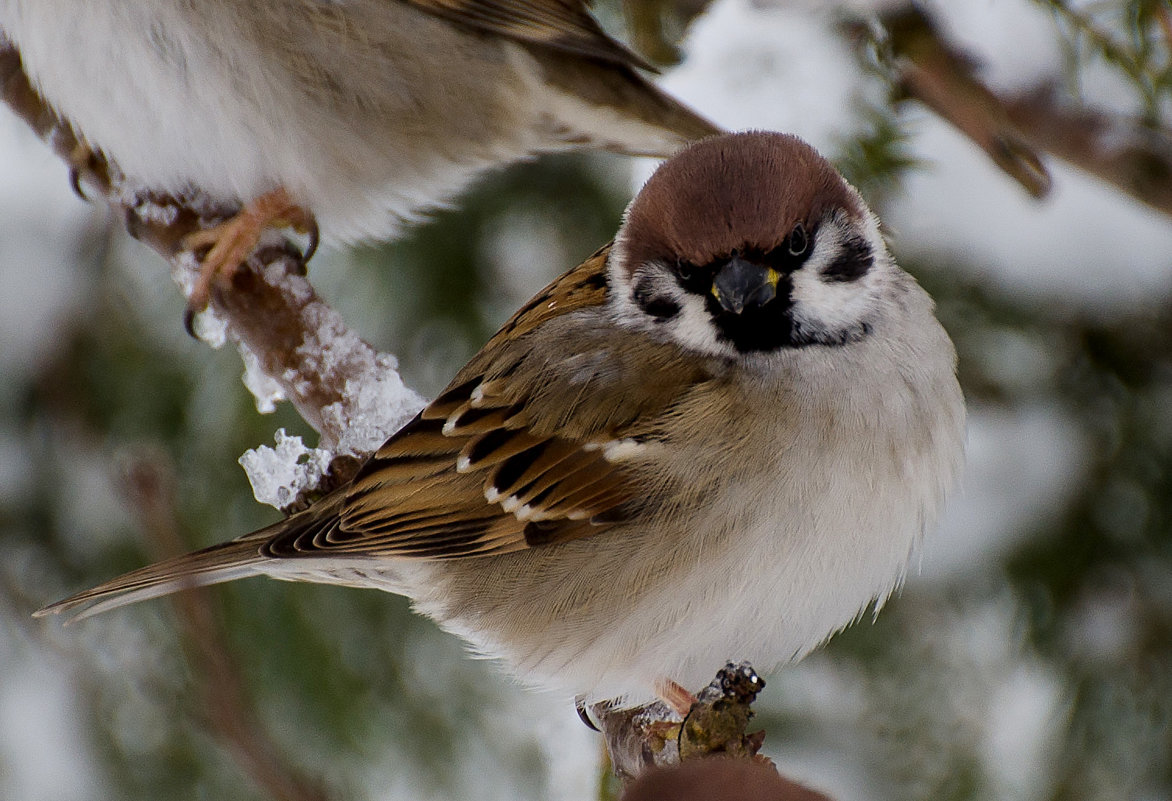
point(560, 24)
point(527, 446)
point(532, 443)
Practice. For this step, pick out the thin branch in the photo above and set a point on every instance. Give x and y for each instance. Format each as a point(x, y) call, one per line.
point(1133, 156)
point(923, 66)
point(717, 723)
point(223, 703)
point(1122, 151)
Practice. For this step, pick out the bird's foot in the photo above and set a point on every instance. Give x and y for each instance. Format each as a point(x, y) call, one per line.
point(86, 166)
point(678, 699)
point(682, 726)
point(231, 242)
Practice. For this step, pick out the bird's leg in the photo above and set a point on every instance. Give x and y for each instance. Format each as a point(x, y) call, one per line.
point(233, 240)
point(676, 697)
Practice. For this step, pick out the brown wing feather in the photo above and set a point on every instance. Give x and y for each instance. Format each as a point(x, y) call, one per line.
point(491, 466)
point(470, 462)
point(560, 24)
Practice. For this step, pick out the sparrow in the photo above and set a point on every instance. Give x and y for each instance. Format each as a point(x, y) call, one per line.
point(719, 437)
point(354, 116)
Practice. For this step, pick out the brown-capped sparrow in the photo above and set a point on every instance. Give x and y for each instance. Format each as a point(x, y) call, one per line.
point(717, 438)
point(354, 115)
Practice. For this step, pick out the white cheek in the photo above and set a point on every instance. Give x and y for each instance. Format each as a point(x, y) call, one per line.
point(835, 307)
point(691, 328)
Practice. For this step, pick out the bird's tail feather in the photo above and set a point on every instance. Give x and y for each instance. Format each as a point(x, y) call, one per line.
point(647, 121)
point(224, 562)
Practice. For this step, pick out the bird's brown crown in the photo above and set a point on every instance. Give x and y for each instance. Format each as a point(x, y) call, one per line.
point(734, 192)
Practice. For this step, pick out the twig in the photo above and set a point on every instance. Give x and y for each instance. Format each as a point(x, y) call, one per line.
point(1125, 152)
point(653, 736)
point(927, 68)
point(1122, 151)
point(150, 487)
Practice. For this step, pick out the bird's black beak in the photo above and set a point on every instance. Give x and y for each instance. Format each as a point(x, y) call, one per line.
point(741, 285)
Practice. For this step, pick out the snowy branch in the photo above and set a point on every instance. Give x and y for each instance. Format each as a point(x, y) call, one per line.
point(294, 346)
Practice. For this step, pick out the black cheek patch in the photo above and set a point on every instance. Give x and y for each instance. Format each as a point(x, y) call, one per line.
point(852, 263)
point(658, 306)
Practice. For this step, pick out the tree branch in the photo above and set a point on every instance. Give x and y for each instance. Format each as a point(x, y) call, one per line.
point(924, 66)
point(1015, 131)
point(653, 736)
point(1126, 153)
point(336, 381)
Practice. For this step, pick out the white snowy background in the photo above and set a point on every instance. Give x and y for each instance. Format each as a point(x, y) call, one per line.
point(749, 65)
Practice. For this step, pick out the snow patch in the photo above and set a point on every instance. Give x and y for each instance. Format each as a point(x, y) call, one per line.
point(265, 389)
point(376, 407)
point(211, 328)
point(279, 474)
point(754, 65)
point(144, 207)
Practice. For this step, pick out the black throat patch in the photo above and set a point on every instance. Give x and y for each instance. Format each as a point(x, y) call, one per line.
point(760, 328)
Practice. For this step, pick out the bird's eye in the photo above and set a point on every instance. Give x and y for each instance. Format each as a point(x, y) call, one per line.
point(685, 271)
point(798, 241)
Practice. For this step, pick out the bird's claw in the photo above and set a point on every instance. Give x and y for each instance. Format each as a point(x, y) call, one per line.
point(229, 244)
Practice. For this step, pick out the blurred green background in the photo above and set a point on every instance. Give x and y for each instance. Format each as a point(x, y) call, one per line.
point(1030, 658)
